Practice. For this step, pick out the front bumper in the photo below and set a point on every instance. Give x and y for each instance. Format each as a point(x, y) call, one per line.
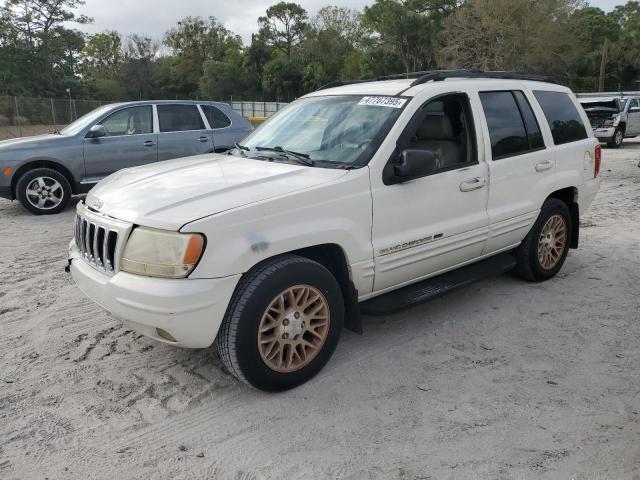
point(604, 133)
point(5, 192)
point(190, 310)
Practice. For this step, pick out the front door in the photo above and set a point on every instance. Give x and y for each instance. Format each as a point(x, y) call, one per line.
point(431, 224)
point(182, 132)
point(130, 142)
point(633, 118)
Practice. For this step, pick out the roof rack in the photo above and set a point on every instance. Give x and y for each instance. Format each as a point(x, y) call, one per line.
point(440, 75)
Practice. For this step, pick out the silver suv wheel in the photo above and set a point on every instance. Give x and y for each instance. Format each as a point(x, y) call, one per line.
point(44, 193)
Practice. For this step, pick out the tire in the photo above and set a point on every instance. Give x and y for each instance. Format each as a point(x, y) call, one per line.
point(554, 213)
point(618, 138)
point(258, 311)
point(43, 191)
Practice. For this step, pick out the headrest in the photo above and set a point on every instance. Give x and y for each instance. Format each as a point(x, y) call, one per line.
point(435, 127)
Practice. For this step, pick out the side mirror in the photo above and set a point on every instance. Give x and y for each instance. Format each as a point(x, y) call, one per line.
point(97, 131)
point(414, 164)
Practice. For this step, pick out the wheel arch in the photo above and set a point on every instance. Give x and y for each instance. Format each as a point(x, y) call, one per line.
point(42, 164)
point(333, 257)
point(569, 196)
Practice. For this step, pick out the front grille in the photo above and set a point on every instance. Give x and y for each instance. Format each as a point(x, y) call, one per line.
point(96, 243)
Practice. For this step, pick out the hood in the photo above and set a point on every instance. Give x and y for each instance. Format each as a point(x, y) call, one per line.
point(592, 111)
point(28, 142)
point(170, 194)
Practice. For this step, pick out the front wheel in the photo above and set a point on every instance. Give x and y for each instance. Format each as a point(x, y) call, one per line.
point(542, 253)
point(43, 191)
point(618, 138)
point(282, 324)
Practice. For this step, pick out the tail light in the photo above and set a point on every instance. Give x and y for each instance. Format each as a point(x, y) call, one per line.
point(598, 160)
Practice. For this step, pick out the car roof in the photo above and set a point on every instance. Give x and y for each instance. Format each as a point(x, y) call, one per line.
point(404, 86)
point(168, 102)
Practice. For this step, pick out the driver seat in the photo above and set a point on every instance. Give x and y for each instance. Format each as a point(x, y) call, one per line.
point(436, 135)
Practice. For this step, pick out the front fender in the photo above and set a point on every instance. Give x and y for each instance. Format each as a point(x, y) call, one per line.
point(337, 213)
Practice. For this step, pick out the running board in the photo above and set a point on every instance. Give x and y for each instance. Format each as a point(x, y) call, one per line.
point(432, 287)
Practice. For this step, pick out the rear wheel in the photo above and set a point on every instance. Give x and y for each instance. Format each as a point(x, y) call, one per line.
point(542, 253)
point(283, 323)
point(43, 191)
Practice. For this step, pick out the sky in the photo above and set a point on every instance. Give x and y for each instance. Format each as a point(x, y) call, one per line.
point(155, 17)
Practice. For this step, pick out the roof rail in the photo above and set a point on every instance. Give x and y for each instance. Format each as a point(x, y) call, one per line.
point(439, 75)
point(340, 83)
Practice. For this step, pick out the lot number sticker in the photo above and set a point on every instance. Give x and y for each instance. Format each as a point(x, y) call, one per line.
point(391, 102)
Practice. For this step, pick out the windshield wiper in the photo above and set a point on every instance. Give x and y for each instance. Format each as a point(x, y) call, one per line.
point(241, 149)
point(302, 158)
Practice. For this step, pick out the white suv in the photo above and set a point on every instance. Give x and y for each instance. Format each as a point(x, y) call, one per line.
point(366, 196)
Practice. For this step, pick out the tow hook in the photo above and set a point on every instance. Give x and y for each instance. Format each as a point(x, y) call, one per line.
point(67, 267)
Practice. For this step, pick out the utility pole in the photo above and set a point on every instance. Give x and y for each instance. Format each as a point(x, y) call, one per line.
point(603, 65)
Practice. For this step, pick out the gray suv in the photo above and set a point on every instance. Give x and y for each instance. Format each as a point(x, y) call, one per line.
point(43, 172)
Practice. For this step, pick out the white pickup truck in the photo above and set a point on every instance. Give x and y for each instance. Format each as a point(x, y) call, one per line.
point(367, 196)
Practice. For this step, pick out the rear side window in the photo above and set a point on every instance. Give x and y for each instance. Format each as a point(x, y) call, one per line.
point(179, 118)
point(217, 118)
point(563, 117)
point(506, 126)
point(530, 121)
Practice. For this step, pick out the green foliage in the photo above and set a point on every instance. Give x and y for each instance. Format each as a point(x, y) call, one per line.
point(42, 52)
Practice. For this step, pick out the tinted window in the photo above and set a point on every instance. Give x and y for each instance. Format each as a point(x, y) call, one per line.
point(634, 103)
point(179, 118)
point(129, 121)
point(506, 127)
point(217, 119)
point(563, 117)
point(530, 122)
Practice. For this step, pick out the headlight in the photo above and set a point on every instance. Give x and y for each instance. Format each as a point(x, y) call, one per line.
point(612, 121)
point(160, 253)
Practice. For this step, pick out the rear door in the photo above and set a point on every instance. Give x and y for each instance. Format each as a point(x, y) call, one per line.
point(182, 131)
point(223, 132)
point(131, 141)
point(521, 166)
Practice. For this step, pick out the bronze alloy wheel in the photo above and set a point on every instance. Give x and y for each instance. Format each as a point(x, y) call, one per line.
point(294, 328)
point(552, 242)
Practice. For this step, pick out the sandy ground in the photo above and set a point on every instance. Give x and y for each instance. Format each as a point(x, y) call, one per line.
point(500, 380)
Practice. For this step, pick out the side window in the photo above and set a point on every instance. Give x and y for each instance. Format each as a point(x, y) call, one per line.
point(530, 122)
point(217, 118)
point(445, 127)
point(506, 126)
point(563, 117)
point(129, 121)
point(179, 118)
point(634, 104)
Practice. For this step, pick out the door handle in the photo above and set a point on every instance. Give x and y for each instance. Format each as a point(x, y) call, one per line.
point(149, 143)
point(473, 184)
point(203, 139)
point(542, 166)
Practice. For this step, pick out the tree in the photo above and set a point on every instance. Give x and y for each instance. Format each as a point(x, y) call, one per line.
point(39, 37)
point(524, 35)
point(284, 26)
point(193, 42)
point(102, 56)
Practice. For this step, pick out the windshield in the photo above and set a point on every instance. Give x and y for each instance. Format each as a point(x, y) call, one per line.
point(84, 121)
point(336, 131)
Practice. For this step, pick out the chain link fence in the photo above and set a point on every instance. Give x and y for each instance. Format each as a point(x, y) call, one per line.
point(23, 116)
